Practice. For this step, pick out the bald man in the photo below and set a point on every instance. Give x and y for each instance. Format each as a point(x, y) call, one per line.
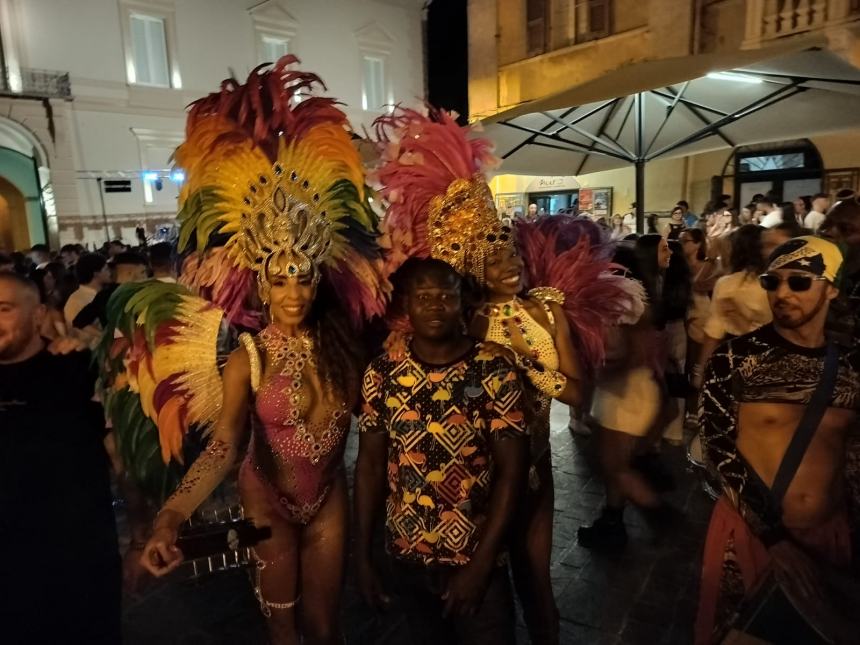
point(59, 569)
point(783, 503)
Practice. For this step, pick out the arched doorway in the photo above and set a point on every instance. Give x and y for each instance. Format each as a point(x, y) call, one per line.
point(783, 170)
point(25, 175)
point(14, 234)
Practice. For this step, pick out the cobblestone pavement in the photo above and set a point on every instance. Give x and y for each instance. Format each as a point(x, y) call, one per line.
point(645, 595)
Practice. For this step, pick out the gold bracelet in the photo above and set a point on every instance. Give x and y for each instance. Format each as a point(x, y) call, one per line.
point(548, 382)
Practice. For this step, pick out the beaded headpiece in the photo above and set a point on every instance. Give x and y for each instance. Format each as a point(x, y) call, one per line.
point(439, 203)
point(277, 181)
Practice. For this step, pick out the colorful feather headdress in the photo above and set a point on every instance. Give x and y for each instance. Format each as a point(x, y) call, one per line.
point(273, 173)
point(440, 205)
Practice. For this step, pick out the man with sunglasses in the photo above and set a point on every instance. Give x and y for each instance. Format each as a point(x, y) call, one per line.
point(776, 408)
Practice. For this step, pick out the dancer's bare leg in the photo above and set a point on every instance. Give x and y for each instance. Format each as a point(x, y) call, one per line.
point(278, 579)
point(323, 554)
point(623, 482)
point(530, 558)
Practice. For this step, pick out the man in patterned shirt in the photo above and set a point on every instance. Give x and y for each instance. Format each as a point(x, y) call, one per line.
point(757, 388)
point(446, 425)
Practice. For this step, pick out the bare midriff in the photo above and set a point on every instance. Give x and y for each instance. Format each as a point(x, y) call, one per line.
point(815, 493)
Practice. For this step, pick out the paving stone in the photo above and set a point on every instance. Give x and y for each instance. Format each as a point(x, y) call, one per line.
point(647, 594)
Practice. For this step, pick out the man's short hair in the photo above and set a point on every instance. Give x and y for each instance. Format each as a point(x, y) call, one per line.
point(764, 200)
point(69, 248)
point(88, 265)
point(161, 254)
point(415, 269)
point(129, 257)
point(820, 196)
point(683, 204)
point(21, 281)
point(40, 248)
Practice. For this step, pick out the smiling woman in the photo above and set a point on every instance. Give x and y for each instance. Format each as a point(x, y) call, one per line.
point(293, 211)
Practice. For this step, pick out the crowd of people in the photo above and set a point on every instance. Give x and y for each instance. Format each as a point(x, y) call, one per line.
point(717, 325)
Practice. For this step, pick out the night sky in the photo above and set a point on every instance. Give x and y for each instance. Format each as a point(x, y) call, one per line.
point(447, 56)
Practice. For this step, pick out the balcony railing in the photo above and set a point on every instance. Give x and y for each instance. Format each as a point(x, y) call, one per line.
point(772, 19)
point(41, 83)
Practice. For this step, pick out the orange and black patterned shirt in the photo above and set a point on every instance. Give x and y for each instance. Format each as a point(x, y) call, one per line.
point(441, 421)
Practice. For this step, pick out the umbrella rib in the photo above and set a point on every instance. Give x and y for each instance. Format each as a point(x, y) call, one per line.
point(678, 96)
point(585, 133)
point(531, 139)
point(689, 103)
point(601, 132)
point(784, 92)
point(701, 117)
point(564, 124)
point(578, 148)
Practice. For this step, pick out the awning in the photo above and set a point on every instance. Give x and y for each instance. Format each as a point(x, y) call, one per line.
point(678, 107)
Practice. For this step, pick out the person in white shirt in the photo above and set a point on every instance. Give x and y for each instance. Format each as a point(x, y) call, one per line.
point(93, 274)
point(738, 304)
point(772, 214)
point(815, 217)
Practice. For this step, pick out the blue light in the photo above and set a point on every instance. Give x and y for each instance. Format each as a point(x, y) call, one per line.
point(177, 176)
point(150, 177)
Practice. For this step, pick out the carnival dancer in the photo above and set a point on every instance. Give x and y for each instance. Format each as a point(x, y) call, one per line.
point(432, 175)
point(283, 184)
point(777, 405)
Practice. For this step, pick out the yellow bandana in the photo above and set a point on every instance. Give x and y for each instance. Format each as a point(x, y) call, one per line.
point(810, 254)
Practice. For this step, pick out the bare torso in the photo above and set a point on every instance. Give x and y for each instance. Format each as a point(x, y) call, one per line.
point(815, 494)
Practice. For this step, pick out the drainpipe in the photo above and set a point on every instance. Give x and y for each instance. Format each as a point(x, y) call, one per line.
point(696, 35)
point(425, 53)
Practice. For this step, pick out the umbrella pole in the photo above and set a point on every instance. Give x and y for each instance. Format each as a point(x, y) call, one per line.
point(639, 125)
point(640, 196)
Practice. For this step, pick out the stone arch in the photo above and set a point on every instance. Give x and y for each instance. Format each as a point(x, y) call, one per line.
point(25, 166)
point(14, 234)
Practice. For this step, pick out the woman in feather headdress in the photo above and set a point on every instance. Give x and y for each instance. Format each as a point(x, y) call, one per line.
point(283, 185)
point(440, 206)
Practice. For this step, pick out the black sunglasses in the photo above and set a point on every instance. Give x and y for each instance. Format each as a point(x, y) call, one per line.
point(771, 282)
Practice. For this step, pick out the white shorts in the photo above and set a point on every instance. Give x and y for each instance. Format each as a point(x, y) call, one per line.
point(628, 403)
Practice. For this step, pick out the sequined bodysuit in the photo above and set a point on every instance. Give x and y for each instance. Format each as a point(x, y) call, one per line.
point(294, 460)
point(541, 349)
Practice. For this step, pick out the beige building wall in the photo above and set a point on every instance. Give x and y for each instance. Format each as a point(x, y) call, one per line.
point(688, 178)
point(505, 73)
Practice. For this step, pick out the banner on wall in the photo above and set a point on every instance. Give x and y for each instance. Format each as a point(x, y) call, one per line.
point(595, 202)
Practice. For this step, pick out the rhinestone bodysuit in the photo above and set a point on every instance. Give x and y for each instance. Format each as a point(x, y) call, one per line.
point(307, 455)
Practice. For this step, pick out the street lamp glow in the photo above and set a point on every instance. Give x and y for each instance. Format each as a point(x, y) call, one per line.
point(734, 76)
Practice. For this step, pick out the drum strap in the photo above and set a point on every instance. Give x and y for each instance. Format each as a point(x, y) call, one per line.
point(806, 428)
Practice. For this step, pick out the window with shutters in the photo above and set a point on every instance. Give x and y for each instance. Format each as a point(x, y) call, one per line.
point(592, 19)
point(536, 27)
point(274, 47)
point(149, 42)
point(149, 51)
point(374, 95)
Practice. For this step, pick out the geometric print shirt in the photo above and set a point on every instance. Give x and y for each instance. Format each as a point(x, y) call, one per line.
point(441, 422)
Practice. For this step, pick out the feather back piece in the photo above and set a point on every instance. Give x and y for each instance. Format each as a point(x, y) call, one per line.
point(160, 376)
point(572, 254)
